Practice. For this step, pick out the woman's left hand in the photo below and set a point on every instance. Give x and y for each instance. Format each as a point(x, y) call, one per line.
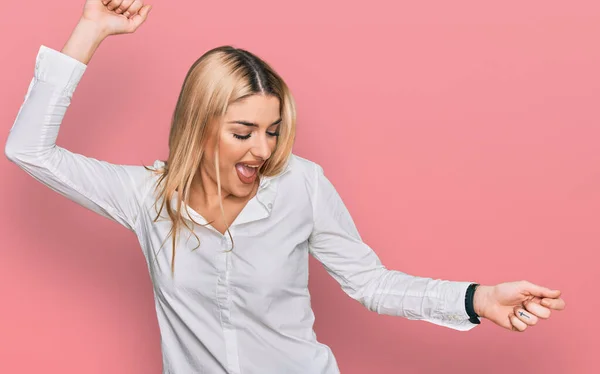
point(516, 305)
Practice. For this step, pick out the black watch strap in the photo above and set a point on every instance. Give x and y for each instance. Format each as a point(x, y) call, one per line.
point(473, 317)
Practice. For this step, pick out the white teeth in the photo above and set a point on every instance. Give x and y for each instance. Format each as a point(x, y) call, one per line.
point(250, 166)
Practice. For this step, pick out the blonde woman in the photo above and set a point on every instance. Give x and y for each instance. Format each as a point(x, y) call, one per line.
point(228, 221)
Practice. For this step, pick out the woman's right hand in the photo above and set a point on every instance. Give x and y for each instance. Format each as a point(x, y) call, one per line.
point(116, 16)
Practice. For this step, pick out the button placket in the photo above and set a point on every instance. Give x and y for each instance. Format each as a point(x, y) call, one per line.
point(226, 243)
point(224, 297)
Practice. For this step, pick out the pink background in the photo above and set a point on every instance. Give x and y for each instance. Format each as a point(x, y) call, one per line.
point(463, 137)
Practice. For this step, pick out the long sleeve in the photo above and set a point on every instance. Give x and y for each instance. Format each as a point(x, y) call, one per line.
point(336, 243)
point(113, 191)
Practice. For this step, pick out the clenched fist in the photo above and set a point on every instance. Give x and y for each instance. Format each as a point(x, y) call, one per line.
point(116, 16)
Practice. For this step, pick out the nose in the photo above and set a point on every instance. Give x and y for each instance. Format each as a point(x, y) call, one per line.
point(261, 148)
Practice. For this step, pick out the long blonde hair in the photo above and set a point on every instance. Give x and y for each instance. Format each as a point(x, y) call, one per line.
point(217, 79)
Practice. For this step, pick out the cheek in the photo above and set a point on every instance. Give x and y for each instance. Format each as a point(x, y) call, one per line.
point(273, 143)
point(230, 152)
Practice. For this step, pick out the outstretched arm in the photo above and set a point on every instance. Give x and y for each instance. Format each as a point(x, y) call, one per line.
point(336, 243)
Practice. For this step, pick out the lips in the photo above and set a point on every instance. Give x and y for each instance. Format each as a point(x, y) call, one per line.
point(251, 163)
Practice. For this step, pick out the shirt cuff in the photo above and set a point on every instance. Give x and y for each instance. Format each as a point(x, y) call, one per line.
point(58, 69)
point(455, 308)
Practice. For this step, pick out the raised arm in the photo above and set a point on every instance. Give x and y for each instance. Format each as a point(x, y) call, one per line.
point(113, 191)
point(336, 243)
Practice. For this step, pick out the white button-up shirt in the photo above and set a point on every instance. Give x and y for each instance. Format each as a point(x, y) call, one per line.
point(242, 311)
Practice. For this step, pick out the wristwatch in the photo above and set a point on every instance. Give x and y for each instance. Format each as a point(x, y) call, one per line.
point(473, 317)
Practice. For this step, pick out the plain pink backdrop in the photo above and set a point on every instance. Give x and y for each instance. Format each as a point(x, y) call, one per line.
point(463, 137)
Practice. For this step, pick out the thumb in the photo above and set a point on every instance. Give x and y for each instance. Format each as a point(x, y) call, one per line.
point(141, 16)
point(540, 291)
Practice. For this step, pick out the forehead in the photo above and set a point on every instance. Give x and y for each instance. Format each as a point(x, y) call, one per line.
point(254, 108)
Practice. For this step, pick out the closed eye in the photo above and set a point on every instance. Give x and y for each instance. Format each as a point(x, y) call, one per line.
point(244, 137)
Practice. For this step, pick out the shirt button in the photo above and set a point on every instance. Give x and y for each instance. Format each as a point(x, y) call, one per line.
point(270, 206)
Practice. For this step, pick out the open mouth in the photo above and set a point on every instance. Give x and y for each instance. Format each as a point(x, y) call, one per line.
point(246, 173)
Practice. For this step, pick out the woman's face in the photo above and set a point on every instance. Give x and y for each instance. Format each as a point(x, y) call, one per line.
point(248, 136)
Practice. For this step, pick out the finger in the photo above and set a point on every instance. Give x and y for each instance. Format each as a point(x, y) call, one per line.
point(529, 318)
point(135, 7)
point(540, 291)
point(517, 324)
point(123, 7)
point(113, 4)
point(556, 304)
point(537, 309)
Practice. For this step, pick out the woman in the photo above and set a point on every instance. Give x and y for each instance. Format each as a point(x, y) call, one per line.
point(234, 298)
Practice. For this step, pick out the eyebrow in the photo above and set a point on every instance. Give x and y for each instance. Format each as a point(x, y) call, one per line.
point(251, 124)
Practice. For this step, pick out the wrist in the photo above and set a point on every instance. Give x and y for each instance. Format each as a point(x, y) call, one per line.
point(480, 299)
point(84, 40)
point(92, 28)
